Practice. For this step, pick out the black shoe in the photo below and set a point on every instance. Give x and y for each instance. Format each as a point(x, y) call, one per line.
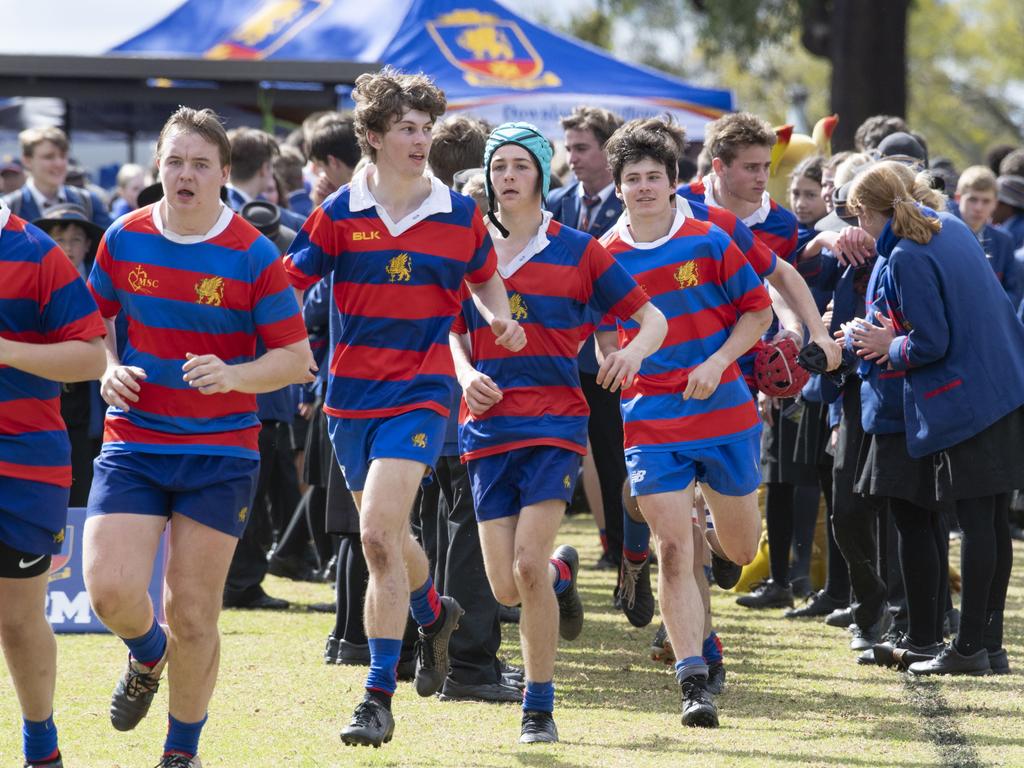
point(256, 600)
point(509, 614)
point(999, 662)
point(726, 572)
point(570, 607)
point(767, 594)
point(372, 725)
point(432, 649)
point(699, 710)
point(179, 760)
point(661, 647)
point(57, 762)
point(292, 567)
point(511, 675)
point(818, 604)
point(134, 693)
point(635, 592)
point(951, 662)
point(538, 727)
point(498, 693)
point(882, 649)
point(331, 650)
point(716, 678)
point(323, 607)
point(606, 563)
point(353, 654)
point(905, 653)
point(864, 639)
point(841, 617)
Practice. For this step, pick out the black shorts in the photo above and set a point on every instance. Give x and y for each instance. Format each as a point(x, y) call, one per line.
point(15, 564)
point(779, 446)
point(988, 464)
point(813, 435)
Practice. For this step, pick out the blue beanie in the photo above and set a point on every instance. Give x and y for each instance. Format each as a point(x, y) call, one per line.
point(529, 138)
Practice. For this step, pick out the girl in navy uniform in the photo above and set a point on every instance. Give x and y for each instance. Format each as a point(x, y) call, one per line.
point(953, 333)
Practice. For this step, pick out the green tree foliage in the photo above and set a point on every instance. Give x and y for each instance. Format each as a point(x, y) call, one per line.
point(965, 69)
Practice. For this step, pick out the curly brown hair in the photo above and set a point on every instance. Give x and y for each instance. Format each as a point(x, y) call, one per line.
point(727, 135)
point(383, 97)
point(656, 138)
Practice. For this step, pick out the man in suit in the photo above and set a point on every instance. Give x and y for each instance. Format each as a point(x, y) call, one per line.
point(44, 156)
point(252, 165)
point(590, 205)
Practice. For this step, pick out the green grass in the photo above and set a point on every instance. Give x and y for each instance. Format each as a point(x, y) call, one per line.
point(794, 697)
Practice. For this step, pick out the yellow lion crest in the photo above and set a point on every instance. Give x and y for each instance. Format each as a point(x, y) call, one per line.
point(399, 269)
point(420, 439)
point(486, 43)
point(210, 290)
point(686, 275)
point(518, 307)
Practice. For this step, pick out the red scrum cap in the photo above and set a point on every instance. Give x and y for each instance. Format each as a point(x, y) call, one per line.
point(777, 371)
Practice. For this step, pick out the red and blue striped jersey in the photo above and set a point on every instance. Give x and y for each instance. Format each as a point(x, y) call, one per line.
point(760, 256)
point(559, 296)
point(702, 283)
point(776, 226)
point(213, 294)
point(394, 297)
point(43, 300)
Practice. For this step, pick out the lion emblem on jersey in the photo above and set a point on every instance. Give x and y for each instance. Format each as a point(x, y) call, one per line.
point(518, 307)
point(399, 269)
point(420, 439)
point(686, 275)
point(210, 290)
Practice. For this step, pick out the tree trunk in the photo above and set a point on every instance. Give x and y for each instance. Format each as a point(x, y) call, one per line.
point(869, 63)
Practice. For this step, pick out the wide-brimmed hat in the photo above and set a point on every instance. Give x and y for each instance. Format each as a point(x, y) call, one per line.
point(69, 213)
point(266, 217)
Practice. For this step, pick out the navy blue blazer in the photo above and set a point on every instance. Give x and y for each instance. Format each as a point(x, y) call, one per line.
point(963, 348)
point(23, 204)
point(564, 204)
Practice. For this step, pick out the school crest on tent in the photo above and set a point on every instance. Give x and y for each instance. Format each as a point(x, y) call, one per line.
point(490, 50)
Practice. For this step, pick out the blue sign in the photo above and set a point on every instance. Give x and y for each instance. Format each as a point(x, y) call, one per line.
point(67, 602)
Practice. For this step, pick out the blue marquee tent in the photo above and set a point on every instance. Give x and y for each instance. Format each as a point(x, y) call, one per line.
point(489, 61)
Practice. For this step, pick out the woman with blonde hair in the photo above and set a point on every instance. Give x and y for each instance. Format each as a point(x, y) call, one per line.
point(950, 330)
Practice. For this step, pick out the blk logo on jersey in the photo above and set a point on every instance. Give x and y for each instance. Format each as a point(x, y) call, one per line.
point(140, 282)
point(357, 236)
point(210, 290)
point(687, 275)
point(399, 269)
point(518, 307)
point(420, 439)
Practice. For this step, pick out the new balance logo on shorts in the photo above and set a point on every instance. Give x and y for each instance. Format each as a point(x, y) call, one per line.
point(637, 475)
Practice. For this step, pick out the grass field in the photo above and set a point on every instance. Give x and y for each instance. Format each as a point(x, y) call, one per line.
point(794, 697)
